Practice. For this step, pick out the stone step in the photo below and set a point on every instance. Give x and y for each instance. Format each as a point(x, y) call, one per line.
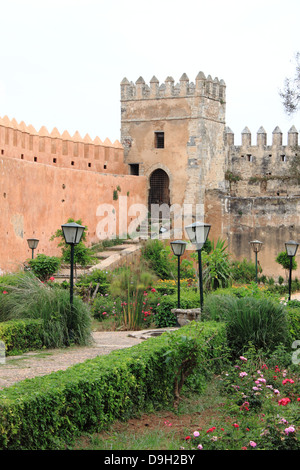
point(107, 258)
point(118, 248)
point(104, 254)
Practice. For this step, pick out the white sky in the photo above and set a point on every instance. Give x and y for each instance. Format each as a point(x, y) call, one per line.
point(62, 61)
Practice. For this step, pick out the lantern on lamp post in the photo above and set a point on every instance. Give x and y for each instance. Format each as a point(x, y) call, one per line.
point(32, 243)
point(256, 247)
point(72, 233)
point(291, 250)
point(178, 247)
point(198, 233)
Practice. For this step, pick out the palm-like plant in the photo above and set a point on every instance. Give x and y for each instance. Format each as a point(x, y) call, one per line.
point(216, 266)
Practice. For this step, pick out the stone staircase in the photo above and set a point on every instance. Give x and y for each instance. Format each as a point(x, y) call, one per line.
point(108, 259)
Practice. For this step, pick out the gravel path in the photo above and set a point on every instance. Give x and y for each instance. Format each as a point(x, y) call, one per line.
point(37, 363)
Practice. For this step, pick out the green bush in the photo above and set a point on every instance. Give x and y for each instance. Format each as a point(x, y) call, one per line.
point(216, 307)
point(88, 285)
point(158, 258)
point(105, 306)
point(162, 306)
point(262, 322)
point(243, 271)
point(30, 298)
point(293, 319)
point(254, 290)
point(44, 266)
point(20, 336)
point(49, 412)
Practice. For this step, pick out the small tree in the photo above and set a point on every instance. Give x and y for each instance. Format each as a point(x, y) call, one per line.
point(82, 254)
point(284, 260)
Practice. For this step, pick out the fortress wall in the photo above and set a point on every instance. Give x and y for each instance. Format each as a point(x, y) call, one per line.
point(272, 220)
point(35, 199)
point(62, 151)
point(260, 169)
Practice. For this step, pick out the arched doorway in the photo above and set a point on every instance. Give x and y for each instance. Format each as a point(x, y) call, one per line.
point(159, 188)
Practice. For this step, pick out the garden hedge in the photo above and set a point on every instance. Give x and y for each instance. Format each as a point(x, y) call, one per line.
point(20, 336)
point(48, 412)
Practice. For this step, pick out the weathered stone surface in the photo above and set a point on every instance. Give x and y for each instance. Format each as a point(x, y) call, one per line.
point(185, 316)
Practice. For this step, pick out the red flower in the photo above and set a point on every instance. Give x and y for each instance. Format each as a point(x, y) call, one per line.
point(153, 290)
point(285, 381)
point(236, 425)
point(284, 401)
point(4, 292)
point(187, 438)
point(211, 429)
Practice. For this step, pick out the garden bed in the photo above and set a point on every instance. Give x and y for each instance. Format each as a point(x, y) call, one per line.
point(48, 412)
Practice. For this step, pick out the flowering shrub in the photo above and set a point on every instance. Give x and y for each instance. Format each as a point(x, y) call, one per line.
point(229, 436)
point(105, 306)
point(264, 405)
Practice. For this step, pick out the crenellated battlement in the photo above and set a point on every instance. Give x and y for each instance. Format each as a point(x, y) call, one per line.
point(18, 140)
point(203, 86)
point(261, 137)
point(262, 169)
point(43, 132)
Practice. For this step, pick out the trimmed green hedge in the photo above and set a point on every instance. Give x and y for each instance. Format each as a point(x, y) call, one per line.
point(49, 412)
point(21, 336)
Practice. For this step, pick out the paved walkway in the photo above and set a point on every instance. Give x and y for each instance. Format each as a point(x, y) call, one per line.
point(38, 363)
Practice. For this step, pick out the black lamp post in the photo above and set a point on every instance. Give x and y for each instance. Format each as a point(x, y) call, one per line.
point(291, 250)
point(178, 247)
point(72, 234)
point(256, 246)
point(198, 233)
point(32, 243)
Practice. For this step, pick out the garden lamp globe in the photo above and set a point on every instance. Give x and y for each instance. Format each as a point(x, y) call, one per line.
point(198, 233)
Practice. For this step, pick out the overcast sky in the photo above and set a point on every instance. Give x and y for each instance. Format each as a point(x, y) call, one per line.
point(62, 61)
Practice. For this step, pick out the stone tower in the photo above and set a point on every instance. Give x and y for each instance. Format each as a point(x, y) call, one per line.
point(174, 135)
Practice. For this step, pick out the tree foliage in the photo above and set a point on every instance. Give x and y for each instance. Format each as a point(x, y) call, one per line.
point(284, 260)
point(82, 254)
point(290, 94)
